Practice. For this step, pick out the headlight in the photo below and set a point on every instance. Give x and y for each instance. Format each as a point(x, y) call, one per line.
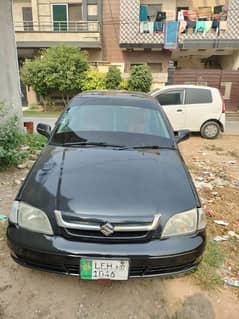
point(182, 224)
point(30, 218)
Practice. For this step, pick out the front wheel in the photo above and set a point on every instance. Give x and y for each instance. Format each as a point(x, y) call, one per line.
point(210, 130)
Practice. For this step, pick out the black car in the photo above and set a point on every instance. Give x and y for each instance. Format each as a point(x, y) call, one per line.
point(110, 196)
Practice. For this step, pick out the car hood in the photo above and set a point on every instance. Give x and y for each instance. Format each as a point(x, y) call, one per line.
point(102, 181)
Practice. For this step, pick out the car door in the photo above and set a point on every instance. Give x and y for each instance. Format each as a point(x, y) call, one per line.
point(172, 102)
point(198, 107)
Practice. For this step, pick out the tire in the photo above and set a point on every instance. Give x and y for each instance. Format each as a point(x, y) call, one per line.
point(210, 130)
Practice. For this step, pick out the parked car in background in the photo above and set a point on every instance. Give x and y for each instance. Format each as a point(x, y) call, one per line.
point(110, 196)
point(196, 108)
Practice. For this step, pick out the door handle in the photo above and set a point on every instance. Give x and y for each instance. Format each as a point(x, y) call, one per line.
point(179, 110)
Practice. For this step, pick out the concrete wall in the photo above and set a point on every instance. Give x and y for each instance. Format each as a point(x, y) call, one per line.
point(190, 62)
point(17, 9)
point(9, 75)
point(63, 37)
point(230, 62)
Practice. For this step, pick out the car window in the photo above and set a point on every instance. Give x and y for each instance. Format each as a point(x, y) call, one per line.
point(78, 121)
point(171, 98)
point(198, 96)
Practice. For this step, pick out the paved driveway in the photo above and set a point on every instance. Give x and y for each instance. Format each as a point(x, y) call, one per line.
point(232, 128)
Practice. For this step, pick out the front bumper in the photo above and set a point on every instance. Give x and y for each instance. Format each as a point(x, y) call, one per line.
point(154, 258)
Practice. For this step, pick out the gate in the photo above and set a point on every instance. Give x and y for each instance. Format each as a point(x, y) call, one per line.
point(226, 81)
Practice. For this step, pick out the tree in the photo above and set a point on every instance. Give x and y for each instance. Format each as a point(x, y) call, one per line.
point(140, 78)
point(113, 78)
point(59, 70)
point(93, 80)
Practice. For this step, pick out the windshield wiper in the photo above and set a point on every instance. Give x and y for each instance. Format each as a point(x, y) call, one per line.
point(152, 147)
point(102, 144)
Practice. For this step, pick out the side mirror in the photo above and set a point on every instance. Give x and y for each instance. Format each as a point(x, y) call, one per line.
point(181, 135)
point(44, 130)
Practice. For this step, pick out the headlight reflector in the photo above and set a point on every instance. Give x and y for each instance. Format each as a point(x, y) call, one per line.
point(33, 219)
point(13, 213)
point(202, 220)
point(181, 224)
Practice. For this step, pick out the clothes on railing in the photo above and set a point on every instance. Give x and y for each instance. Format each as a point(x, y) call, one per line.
point(215, 24)
point(158, 26)
point(171, 35)
point(180, 16)
point(146, 27)
point(184, 26)
point(143, 13)
point(208, 26)
point(200, 26)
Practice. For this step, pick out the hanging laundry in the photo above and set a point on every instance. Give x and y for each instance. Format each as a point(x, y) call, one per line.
point(158, 26)
point(171, 35)
point(151, 26)
point(215, 24)
point(208, 26)
point(143, 13)
point(180, 16)
point(200, 26)
point(191, 25)
point(182, 26)
point(223, 26)
point(144, 27)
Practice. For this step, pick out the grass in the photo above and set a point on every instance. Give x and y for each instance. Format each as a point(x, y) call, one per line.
point(207, 273)
point(34, 113)
point(34, 141)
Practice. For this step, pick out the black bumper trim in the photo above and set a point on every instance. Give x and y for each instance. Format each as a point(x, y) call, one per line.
point(147, 267)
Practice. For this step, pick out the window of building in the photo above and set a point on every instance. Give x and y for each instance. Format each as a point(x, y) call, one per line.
point(75, 23)
point(75, 11)
point(27, 18)
point(155, 68)
point(68, 17)
point(92, 9)
point(59, 17)
point(198, 96)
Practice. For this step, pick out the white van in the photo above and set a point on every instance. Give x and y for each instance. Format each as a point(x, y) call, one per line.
point(196, 108)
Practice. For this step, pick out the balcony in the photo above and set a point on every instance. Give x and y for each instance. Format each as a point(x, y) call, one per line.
point(85, 34)
point(135, 33)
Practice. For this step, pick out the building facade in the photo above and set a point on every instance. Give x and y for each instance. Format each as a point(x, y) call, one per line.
point(207, 36)
point(45, 23)
point(191, 34)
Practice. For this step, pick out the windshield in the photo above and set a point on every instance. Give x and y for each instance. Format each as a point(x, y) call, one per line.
point(120, 125)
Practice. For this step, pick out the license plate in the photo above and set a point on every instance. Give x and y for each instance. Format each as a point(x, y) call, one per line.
point(93, 269)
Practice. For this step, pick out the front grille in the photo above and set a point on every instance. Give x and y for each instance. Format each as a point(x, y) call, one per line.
point(96, 236)
point(111, 229)
point(157, 270)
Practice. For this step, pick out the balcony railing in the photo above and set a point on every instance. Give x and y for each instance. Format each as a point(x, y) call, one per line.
point(58, 26)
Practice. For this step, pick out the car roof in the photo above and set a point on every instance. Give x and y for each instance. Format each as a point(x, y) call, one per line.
point(113, 93)
point(114, 97)
point(183, 86)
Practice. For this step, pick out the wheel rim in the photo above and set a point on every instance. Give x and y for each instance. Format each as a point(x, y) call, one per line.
point(211, 130)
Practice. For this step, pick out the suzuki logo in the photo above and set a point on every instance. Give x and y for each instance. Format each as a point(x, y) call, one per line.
point(107, 229)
